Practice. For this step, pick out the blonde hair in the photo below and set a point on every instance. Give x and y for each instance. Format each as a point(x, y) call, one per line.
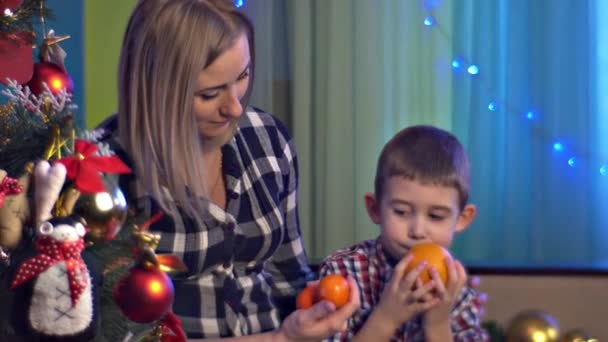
point(166, 45)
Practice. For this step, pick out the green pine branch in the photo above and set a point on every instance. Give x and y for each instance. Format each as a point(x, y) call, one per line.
point(114, 326)
point(23, 18)
point(24, 136)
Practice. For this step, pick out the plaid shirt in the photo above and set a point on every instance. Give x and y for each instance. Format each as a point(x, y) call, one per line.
point(247, 262)
point(370, 267)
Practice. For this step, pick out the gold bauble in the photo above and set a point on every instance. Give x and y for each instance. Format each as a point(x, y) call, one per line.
point(104, 212)
point(533, 326)
point(576, 335)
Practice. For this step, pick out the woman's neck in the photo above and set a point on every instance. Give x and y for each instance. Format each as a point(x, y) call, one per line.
point(214, 178)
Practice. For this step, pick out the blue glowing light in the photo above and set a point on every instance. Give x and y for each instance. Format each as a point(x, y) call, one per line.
point(530, 115)
point(429, 21)
point(557, 146)
point(604, 170)
point(239, 3)
point(457, 63)
point(473, 69)
point(572, 162)
point(493, 106)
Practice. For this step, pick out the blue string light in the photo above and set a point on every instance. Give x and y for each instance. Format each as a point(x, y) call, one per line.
point(458, 63)
point(473, 69)
point(558, 146)
point(239, 3)
point(530, 115)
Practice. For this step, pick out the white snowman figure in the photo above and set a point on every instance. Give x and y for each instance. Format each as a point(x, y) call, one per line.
point(57, 299)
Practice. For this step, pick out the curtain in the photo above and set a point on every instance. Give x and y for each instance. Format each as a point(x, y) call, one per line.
point(345, 75)
point(538, 201)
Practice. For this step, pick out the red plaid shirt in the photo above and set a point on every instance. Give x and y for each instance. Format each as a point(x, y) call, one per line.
point(369, 266)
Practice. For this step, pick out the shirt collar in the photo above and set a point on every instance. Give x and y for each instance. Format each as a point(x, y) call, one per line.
point(386, 263)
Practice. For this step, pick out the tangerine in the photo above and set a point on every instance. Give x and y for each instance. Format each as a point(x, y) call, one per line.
point(307, 298)
point(334, 288)
point(434, 255)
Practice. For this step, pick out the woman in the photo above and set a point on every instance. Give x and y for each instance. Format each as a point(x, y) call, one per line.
point(224, 175)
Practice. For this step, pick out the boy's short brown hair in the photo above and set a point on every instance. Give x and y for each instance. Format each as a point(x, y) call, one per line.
point(428, 155)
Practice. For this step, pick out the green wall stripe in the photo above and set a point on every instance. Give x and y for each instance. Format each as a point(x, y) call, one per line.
point(104, 25)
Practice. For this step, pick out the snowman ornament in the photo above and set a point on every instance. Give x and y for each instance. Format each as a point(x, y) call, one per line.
point(54, 287)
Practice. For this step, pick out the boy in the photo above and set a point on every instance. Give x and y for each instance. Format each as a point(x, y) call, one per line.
point(421, 193)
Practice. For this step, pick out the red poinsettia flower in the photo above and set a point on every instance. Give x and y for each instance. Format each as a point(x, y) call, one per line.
point(84, 167)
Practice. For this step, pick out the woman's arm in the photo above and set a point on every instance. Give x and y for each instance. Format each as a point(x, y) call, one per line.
point(289, 264)
point(320, 321)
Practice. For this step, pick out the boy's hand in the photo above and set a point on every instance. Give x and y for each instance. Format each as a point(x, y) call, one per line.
point(401, 300)
point(446, 294)
point(320, 321)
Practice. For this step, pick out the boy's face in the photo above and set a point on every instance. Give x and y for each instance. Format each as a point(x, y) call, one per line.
point(410, 213)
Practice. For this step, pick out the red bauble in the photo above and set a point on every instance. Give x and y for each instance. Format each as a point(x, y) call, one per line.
point(10, 4)
point(144, 295)
point(55, 77)
point(16, 60)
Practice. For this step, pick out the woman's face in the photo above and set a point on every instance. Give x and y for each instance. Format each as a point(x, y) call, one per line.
point(218, 90)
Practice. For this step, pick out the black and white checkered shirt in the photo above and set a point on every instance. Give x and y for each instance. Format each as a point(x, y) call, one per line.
point(247, 263)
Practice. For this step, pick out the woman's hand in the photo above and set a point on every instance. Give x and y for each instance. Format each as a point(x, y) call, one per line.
point(319, 321)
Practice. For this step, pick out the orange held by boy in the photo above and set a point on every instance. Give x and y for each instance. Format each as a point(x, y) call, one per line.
point(435, 257)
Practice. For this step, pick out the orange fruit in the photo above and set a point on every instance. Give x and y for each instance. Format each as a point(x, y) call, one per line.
point(307, 298)
point(334, 288)
point(434, 255)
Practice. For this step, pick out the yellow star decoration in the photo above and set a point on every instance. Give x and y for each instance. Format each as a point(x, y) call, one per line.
point(50, 51)
point(57, 143)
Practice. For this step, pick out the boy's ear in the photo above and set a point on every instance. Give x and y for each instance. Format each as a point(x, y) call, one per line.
point(466, 217)
point(373, 207)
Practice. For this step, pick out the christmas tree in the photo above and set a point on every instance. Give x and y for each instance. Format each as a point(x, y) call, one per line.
point(56, 178)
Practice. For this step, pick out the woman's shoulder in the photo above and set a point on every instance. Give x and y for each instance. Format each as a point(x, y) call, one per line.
point(257, 121)
point(261, 135)
point(108, 128)
point(108, 134)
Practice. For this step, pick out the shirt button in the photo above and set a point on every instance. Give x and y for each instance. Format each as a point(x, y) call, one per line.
point(234, 195)
point(231, 226)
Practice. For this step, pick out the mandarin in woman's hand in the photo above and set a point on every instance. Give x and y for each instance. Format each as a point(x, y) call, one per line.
point(334, 288)
point(435, 256)
point(307, 298)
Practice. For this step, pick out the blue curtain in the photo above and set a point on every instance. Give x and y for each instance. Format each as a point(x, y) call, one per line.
point(539, 203)
point(356, 72)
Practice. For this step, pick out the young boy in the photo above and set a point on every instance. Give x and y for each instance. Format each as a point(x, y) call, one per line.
point(421, 193)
